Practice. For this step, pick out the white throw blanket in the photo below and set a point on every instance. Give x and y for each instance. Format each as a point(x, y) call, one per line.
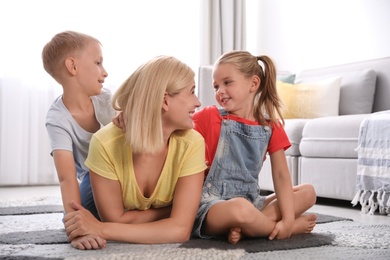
point(373, 173)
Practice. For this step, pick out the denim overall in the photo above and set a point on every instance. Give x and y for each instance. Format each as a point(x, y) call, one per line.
point(236, 166)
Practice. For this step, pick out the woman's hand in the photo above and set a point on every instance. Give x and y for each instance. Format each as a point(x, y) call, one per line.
point(81, 223)
point(88, 242)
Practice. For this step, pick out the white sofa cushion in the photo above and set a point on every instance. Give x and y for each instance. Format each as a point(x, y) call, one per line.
point(331, 137)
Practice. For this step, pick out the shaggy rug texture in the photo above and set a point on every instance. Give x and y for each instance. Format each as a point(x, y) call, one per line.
point(32, 229)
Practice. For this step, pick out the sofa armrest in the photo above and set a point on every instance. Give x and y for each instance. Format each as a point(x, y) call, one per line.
point(294, 128)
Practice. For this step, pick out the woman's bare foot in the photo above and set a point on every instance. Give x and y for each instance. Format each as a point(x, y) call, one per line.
point(304, 224)
point(234, 236)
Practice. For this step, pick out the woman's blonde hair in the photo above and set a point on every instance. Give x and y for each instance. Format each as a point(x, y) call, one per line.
point(61, 46)
point(267, 104)
point(141, 96)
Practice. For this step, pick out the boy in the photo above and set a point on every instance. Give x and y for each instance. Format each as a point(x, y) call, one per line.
point(75, 61)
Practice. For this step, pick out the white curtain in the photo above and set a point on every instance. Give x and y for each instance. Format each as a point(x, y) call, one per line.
point(24, 146)
point(131, 32)
point(223, 28)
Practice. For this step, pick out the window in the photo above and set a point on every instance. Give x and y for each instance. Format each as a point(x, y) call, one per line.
point(131, 33)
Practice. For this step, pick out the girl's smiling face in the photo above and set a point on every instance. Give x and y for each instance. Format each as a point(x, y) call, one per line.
point(233, 91)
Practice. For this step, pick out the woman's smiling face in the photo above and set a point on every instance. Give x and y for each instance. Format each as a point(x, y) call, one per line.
point(182, 107)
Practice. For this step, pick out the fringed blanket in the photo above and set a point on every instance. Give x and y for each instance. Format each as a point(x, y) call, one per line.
point(373, 172)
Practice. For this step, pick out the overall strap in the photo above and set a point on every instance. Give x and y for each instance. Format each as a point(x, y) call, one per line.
point(223, 112)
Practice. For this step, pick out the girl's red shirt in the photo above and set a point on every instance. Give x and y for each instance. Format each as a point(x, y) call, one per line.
point(208, 123)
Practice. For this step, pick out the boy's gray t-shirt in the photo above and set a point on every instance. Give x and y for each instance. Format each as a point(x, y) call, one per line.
point(66, 134)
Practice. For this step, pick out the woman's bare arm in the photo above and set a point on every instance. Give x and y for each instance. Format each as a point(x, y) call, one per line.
point(108, 200)
point(176, 228)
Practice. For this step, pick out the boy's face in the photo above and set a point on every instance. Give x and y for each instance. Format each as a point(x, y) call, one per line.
point(90, 70)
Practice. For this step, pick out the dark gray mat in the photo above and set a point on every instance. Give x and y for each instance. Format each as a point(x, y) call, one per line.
point(26, 210)
point(263, 244)
point(249, 245)
point(39, 237)
point(25, 257)
point(323, 218)
point(58, 236)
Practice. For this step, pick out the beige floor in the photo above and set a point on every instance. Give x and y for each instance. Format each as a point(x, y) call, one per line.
point(330, 207)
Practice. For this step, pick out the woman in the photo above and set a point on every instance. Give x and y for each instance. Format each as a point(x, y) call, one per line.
point(148, 178)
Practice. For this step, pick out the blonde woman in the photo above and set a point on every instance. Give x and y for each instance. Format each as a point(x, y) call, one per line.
point(147, 179)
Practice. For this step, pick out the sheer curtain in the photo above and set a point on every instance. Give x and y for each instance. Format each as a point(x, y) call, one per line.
point(223, 28)
point(131, 33)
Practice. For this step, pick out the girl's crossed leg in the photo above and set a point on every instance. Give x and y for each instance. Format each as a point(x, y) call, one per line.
point(238, 217)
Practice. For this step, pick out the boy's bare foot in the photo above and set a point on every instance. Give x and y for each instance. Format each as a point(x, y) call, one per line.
point(234, 236)
point(304, 224)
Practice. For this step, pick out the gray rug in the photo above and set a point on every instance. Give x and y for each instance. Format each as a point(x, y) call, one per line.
point(25, 210)
point(36, 232)
point(58, 236)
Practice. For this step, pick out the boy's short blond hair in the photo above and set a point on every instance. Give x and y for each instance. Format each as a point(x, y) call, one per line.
point(61, 46)
point(141, 97)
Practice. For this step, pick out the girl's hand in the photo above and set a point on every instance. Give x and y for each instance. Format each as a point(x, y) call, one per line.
point(208, 165)
point(81, 223)
point(88, 242)
point(281, 231)
point(118, 121)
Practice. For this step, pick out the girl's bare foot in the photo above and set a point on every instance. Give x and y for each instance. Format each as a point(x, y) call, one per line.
point(304, 224)
point(234, 236)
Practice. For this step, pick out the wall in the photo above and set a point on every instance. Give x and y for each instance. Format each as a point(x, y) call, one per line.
point(304, 34)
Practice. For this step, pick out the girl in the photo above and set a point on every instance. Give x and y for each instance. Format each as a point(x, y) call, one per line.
point(148, 178)
point(237, 138)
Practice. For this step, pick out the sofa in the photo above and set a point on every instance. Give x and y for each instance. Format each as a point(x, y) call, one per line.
point(323, 150)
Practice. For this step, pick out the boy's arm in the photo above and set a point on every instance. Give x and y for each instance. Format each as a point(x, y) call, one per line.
point(66, 171)
point(119, 121)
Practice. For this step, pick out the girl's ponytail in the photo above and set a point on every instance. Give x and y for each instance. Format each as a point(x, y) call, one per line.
point(267, 104)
